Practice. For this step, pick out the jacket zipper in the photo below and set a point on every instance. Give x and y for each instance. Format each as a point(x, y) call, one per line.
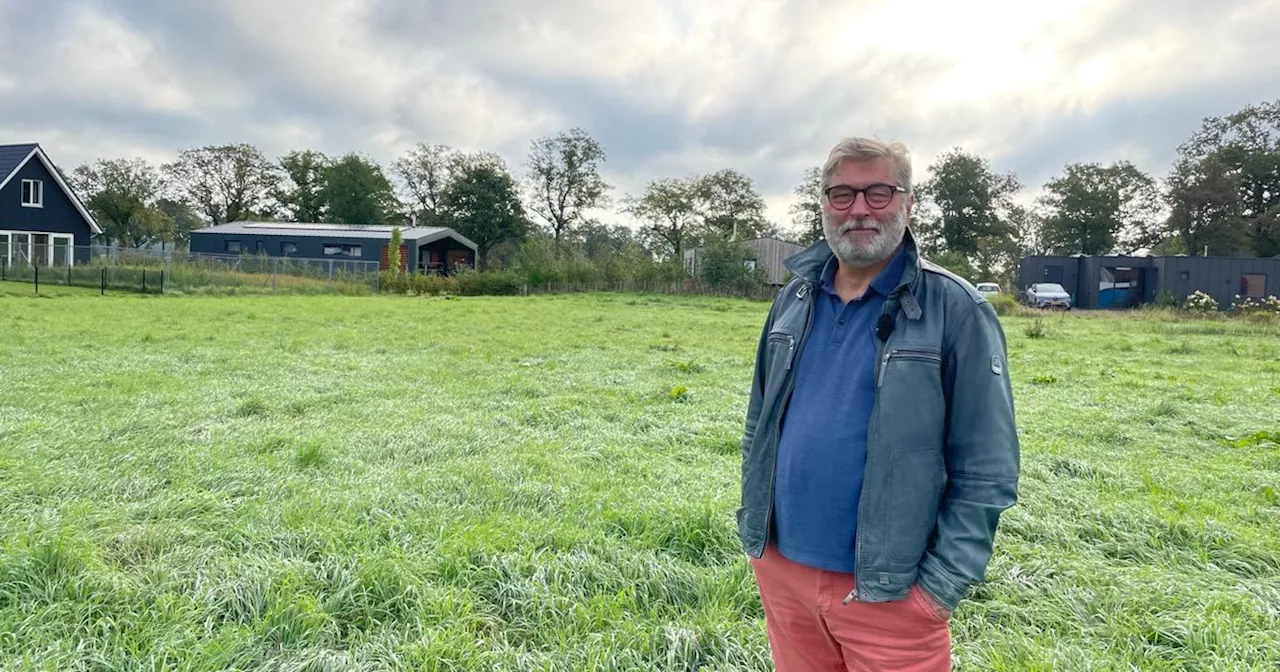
point(786, 398)
point(883, 360)
point(904, 353)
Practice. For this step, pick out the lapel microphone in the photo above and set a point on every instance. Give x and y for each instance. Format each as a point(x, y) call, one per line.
point(884, 326)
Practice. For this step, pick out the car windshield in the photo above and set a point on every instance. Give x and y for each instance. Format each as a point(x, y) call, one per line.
point(1050, 287)
point(988, 286)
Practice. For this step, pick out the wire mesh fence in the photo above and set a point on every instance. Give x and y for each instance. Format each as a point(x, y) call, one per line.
point(688, 286)
point(173, 272)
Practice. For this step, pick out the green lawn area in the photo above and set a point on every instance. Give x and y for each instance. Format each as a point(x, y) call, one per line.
point(548, 483)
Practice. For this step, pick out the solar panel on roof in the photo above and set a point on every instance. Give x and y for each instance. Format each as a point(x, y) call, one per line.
point(294, 226)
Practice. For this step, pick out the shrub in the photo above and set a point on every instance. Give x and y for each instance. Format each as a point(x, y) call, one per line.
point(723, 265)
point(1035, 329)
point(394, 282)
point(429, 284)
point(1005, 305)
point(491, 283)
point(1246, 306)
point(1165, 300)
point(1200, 303)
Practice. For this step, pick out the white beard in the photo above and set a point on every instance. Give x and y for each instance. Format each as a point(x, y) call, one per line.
point(859, 255)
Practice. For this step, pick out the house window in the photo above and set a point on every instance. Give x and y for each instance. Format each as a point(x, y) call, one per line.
point(233, 246)
point(332, 249)
point(288, 248)
point(1184, 275)
point(1253, 285)
point(33, 193)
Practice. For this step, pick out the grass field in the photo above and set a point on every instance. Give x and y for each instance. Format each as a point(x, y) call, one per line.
point(547, 483)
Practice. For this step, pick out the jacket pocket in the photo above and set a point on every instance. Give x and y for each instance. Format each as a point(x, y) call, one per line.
point(927, 356)
point(916, 483)
point(910, 397)
point(782, 349)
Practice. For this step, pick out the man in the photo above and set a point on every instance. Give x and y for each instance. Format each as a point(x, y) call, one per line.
point(880, 447)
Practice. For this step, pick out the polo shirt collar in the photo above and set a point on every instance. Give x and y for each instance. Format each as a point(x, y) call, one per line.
point(883, 284)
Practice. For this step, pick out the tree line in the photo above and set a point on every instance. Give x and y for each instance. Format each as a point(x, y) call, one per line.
point(1222, 197)
point(476, 193)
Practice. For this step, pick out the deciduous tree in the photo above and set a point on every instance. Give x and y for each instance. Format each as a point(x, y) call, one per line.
point(225, 183)
point(356, 191)
point(564, 179)
point(119, 192)
point(302, 191)
point(482, 202)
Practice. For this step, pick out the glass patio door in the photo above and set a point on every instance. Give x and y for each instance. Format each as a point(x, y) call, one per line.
point(40, 249)
point(20, 255)
point(60, 251)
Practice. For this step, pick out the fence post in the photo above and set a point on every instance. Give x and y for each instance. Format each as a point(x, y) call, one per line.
point(162, 280)
point(37, 267)
point(68, 275)
point(104, 281)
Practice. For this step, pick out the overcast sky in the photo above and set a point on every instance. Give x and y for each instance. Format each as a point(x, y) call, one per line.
point(761, 86)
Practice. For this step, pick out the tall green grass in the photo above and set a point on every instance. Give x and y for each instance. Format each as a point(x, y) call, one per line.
point(547, 483)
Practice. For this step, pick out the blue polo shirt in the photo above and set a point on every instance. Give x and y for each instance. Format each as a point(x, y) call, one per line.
point(822, 452)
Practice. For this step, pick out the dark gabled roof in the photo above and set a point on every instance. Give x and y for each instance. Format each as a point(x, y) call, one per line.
point(421, 235)
point(12, 156)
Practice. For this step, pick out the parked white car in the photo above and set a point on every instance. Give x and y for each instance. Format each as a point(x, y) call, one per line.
point(1048, 295)
point(988, 289)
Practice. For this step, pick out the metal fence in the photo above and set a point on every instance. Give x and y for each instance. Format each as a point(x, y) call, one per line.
point(172, 272)
point(758, 291)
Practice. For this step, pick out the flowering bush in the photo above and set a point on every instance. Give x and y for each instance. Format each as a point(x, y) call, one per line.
point(1250, 306)
point(1199, 302)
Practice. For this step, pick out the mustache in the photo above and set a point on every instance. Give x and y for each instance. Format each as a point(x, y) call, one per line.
point(854, 224)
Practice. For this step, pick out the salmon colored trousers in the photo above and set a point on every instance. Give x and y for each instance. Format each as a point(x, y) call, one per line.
point(811, 631)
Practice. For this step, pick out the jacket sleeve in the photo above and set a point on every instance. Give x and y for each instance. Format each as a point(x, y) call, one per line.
point(982, 456)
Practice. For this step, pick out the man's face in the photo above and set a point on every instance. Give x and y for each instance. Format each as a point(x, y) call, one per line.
point(866, 231)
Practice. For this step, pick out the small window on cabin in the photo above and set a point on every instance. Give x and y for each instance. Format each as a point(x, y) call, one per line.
point(1253, 285)
point(330, 250)
point(288, 248)
point(1184, 275)
point(352, 250)
point(33, 193)
point(233, 246)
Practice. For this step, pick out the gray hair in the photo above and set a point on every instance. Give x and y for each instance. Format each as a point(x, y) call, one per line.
point(869, 149)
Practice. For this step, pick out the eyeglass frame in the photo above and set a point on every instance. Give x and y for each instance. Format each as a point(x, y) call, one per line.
point(826, 193)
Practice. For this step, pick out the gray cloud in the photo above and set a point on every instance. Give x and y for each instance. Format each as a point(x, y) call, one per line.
point(669, 88)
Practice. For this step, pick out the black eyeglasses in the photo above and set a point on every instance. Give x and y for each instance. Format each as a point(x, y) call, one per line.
point(877, 196)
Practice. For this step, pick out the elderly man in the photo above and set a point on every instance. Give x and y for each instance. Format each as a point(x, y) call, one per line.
point(880, 447)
